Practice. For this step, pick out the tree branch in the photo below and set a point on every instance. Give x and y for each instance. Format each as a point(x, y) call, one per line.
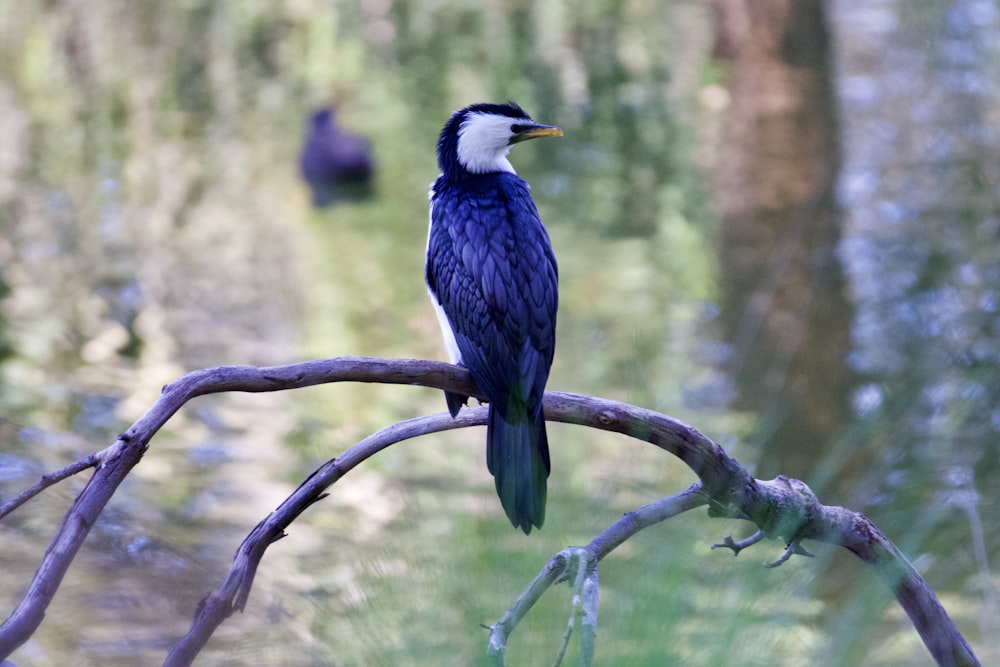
point(585, 559)
point(781, 508)
point(233, 593)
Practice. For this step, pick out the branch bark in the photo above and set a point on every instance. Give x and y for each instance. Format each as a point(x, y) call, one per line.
point(782, 508)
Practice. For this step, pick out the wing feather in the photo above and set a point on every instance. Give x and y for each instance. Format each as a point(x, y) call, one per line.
point(491, 267)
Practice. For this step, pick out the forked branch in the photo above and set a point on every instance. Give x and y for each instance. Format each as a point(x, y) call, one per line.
point(585, 559)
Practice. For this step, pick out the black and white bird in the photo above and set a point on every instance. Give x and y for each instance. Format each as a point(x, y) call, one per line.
point(492, 278)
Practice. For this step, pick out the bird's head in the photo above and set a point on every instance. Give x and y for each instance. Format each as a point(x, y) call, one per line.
point(323, 118)
point(476, 139)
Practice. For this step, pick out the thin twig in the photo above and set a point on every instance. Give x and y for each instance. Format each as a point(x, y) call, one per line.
point(737, 547)
point(793, 549)
point(47, 480)
point(588, 615)
point(577, 556)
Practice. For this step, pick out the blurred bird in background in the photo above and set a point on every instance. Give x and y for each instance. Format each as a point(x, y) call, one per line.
point(493, 280)
point(337, 165)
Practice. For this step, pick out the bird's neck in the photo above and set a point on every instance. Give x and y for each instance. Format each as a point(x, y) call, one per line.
point(467, 181)
point(485, 163)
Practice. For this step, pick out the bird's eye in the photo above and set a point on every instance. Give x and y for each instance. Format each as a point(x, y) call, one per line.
point(516, 129)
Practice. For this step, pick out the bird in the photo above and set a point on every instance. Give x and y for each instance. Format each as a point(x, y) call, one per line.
point(336, 164)
point(493, 280)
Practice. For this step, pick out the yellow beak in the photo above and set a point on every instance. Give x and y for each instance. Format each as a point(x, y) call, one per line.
point(536, 131)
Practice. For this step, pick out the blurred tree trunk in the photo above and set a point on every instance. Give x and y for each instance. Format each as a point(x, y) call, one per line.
point(776, 163)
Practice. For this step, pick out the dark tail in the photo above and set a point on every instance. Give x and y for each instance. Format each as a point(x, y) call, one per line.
point(517, 455)
point(455, 402)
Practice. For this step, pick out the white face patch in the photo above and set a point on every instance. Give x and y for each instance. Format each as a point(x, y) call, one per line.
point(483, 142)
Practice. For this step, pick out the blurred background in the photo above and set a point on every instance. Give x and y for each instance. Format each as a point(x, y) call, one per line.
point(777, 220)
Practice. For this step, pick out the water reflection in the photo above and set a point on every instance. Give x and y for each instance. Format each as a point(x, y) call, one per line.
point(784, 311)
point(921, 255)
